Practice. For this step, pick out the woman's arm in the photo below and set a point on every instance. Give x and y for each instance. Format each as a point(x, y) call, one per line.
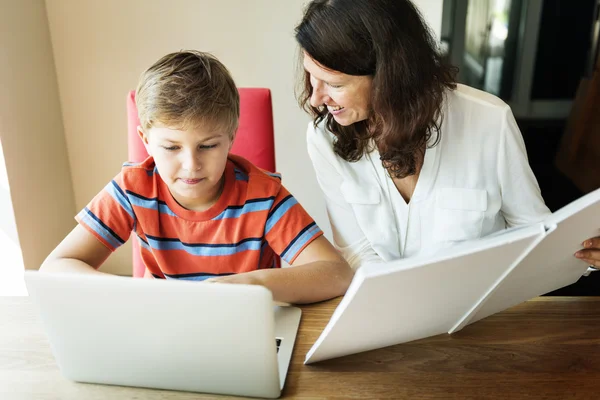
point(348, 237)
point(522, 202)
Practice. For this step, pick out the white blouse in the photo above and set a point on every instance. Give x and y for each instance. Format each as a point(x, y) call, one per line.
point(475, 181)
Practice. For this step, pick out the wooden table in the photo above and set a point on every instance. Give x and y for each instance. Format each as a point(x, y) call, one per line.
point(546, 348)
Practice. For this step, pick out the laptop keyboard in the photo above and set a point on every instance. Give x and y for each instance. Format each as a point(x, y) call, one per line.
point(278, 342)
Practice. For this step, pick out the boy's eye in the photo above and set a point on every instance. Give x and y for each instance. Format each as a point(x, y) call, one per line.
point(171, 148)
point(206, 147)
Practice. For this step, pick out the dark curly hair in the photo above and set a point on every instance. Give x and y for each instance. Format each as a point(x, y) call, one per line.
point(388, 40)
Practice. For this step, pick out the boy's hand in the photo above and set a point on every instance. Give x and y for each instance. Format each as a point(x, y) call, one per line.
point(591, 252)
point(318, 273)
point(246, 278)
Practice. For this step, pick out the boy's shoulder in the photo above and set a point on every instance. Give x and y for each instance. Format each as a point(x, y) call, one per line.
point(257, 179)
point(135, 167)
point(138, 177)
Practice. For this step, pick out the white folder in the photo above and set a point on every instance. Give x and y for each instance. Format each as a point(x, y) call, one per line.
point(409, 299)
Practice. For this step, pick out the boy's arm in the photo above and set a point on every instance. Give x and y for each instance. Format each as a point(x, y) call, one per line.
point(79, 252)
point(103, 226)
point(319, 273)
point(148, 274)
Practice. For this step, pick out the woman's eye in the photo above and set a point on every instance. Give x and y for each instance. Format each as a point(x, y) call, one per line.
point(331, 85)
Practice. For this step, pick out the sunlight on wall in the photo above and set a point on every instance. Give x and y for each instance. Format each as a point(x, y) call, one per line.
point(11, 266)
point(11, 279)
point(3, 174)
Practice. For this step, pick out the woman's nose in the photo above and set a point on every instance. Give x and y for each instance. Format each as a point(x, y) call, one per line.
point(317, 98)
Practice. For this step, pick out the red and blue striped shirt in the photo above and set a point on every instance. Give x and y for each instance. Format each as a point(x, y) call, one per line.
point(254, 221)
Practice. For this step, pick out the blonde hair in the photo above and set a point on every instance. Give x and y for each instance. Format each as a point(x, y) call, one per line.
point(188, 89)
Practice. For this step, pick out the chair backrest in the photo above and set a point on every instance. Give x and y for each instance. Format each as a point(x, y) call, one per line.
point(254, 140)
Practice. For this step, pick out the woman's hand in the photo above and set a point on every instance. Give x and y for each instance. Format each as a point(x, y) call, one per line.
point(590, 252)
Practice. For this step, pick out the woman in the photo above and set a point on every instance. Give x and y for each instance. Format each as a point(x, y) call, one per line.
point(409, 160)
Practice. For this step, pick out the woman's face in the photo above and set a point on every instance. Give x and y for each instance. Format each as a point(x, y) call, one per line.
point(347, 97)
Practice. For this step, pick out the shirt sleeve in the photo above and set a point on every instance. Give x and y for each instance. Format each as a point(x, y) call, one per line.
point(289, 228)
point(109, 216)
point(348, 237)
point(522, 202)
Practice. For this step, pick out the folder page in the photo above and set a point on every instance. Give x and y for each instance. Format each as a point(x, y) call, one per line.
point(547, 266)
point(404, 300)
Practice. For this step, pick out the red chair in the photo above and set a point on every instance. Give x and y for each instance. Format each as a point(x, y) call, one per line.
point(254, 141)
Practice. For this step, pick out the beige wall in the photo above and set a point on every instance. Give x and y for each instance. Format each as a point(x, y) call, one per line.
point(101, 47)
point(31, 131)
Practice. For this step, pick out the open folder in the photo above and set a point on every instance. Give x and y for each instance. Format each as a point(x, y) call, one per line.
point(414, 298)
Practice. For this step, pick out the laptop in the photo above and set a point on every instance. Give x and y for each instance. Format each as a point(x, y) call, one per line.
point(175, 335)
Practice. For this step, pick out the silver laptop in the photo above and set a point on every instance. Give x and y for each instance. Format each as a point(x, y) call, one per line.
point(176, 335)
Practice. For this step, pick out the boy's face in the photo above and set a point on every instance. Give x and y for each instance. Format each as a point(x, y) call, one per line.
point(191, 162)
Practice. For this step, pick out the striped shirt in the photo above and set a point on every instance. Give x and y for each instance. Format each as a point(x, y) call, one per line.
point(254, 221)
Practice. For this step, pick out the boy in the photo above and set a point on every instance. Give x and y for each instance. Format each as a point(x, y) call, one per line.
point(197, 211)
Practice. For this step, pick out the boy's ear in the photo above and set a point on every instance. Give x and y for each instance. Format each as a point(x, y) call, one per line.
point(144, 139)
point(231, 139)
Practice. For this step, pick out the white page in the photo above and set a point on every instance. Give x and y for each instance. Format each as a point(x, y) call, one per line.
point(548, 266)
point(418, 297)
